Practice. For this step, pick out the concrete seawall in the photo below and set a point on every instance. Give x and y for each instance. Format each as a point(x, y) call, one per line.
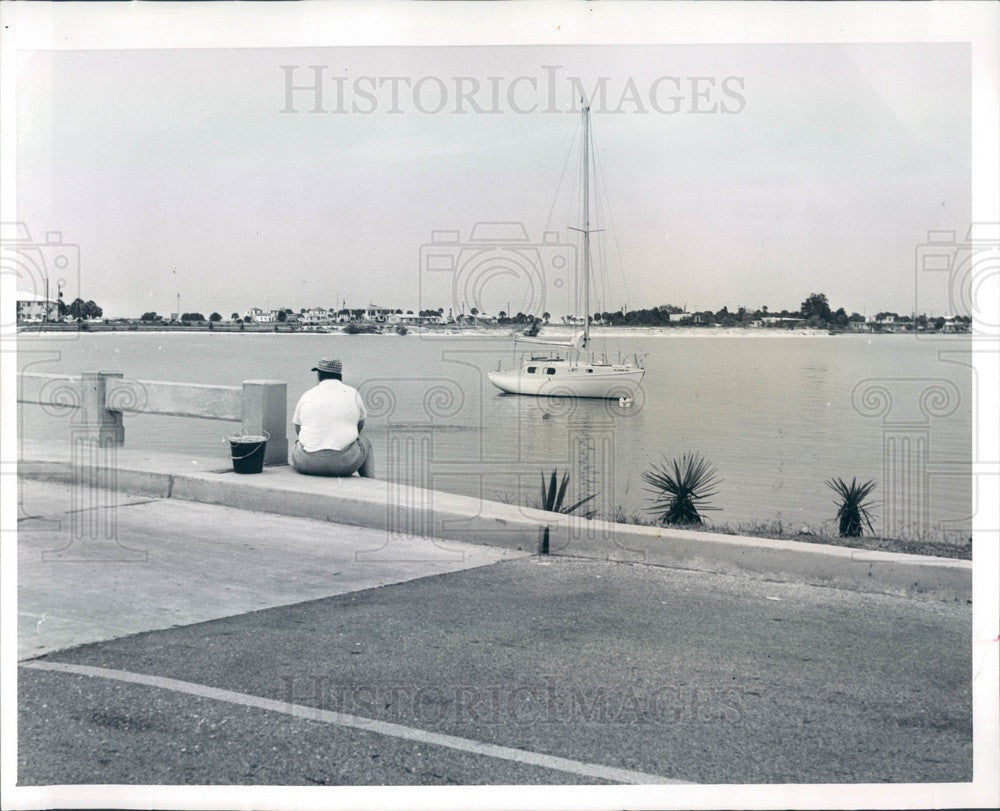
point(399, 509)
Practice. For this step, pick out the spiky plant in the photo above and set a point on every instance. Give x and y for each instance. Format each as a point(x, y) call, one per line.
point(852, 506)
point(681, 488)
point(554, 494)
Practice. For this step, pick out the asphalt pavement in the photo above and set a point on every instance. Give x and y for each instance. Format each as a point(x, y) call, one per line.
point(516, 671)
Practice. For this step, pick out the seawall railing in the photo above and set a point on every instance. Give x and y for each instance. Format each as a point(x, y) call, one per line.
point(103, 398)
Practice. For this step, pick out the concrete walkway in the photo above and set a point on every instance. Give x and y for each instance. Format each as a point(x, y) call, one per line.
point(397, 510)
point(123, 563)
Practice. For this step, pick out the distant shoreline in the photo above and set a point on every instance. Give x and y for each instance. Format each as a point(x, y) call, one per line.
point(560, 331)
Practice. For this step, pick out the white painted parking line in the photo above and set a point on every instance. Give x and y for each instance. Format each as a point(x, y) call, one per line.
point(592, 770)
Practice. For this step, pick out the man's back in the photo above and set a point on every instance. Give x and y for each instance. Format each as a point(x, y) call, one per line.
point(329, 414)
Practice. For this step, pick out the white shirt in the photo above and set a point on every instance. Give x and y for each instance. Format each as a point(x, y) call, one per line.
point(329, 414)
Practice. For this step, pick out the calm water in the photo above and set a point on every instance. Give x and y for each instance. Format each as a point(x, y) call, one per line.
point(774, 414)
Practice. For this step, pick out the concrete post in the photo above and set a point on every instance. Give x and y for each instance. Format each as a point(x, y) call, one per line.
point(265, 410)
point(97, 421)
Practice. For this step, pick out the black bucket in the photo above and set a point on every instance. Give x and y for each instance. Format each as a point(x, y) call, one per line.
point(248, 453)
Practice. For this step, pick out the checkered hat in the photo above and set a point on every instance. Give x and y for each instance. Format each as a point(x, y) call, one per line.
point(328, 365)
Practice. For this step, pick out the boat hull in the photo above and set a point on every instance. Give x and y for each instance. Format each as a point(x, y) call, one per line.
point(610, 383)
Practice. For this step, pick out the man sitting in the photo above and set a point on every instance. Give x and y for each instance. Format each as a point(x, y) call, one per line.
point(328, 420)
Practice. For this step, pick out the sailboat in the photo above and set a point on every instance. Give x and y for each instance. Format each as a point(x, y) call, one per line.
point(574, 371)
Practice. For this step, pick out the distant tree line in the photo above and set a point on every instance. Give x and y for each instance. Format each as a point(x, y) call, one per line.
point(815, 311)
point(79, 309)
point(520, 318)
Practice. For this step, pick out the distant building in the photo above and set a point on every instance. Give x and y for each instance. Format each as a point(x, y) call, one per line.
point(404, 318)
point(259, 316)
point(378, 315)
point(678, 318)
point(888, 322)
point(318, 315)
point(34, 309)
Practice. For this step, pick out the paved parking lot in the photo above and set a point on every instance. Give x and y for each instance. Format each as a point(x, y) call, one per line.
point(521, 670)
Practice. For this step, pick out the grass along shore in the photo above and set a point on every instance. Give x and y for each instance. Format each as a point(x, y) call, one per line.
point(944, 544)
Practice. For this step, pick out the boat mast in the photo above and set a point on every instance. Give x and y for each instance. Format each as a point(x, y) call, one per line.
point(586, 226)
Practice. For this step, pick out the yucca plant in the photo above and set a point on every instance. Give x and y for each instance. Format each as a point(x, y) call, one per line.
point(554, 494)
point(681, 489)
point(852, 506)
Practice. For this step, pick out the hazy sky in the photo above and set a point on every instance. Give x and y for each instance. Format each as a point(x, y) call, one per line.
point(175, 170)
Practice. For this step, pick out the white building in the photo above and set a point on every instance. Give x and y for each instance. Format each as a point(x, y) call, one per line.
point(34, 309)
point(318, 315)
point(259, 316)
point(378, 315)
point(404, 318)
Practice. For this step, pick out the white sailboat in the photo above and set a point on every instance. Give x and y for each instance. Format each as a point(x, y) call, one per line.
point(576, 372)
